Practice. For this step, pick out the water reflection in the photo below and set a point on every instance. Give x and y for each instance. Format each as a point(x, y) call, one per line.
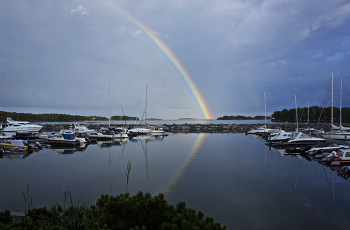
point(143, 141)
point(168, 188)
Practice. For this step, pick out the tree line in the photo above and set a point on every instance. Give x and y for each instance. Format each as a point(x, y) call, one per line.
point(315, 114)
point(240, 117)
point(54, 117)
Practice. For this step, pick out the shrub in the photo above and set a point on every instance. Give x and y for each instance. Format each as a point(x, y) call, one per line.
point(141, 211)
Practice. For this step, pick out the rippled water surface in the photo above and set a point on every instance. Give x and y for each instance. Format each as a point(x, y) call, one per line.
point(233, 178)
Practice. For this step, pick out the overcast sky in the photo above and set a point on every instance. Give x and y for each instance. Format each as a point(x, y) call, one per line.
point(60, 56)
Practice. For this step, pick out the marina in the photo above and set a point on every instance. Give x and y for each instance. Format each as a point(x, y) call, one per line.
point(234, 177)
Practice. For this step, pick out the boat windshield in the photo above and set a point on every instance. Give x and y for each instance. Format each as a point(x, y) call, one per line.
point(303, 136)
point(68, 136)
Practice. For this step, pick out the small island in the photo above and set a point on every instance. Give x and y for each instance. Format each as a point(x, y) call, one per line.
point(240, 117)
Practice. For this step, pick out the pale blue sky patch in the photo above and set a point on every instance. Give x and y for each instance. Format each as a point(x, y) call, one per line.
point(337, 56)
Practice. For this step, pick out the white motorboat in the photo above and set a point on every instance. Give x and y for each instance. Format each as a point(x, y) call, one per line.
point(262, 131)
point(81, 137)
point(119, 132)
point(337, 136)
point(325, 148)
point(64, 138)
point(282, 136)
point(342, 157)
point(157, 131)
point(23, 126)
point(82, 129)
point(134, 130)
point(102, 134)
point(301, 139)
point(4, 137)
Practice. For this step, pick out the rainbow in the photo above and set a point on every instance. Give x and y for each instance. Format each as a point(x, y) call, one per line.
point(169, 186)
point(170, 55)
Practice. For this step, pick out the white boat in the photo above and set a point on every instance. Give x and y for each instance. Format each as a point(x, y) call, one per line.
point(63, 139)
point(157, 131)
point(4, 137)
point(81, 137)
point(81, 132)
point(134, 130)
point(23, 126)
point(338, 136)
point(282, 136)
point(102, 134)
point(82, 129)
point(262, 131)
point(301, 139)
point(325, 148)
point(119, 132)
point(342, 157)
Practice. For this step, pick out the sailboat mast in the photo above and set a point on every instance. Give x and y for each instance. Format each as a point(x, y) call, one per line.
point(308, 111)
point(340, 102)
point(109, 98)
point(146, 106)
point(265, 108)
point(296, 111)
point(332, 106)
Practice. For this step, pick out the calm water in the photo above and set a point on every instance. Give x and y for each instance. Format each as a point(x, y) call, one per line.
point(233, 178)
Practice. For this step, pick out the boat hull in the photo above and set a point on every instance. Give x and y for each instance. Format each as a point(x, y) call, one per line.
point(340, 162)
point(337, 137)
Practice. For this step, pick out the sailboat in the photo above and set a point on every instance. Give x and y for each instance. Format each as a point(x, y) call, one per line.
point(262, 130)
point(299, 138)
point(343, 134)
point(134, 130)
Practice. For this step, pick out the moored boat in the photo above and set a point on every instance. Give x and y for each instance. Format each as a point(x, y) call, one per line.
point(102, 134)
point(134, 130)
point(301, 139)
point(281, 136)
point(82, 137)
point(157, 131)
point(342, 157)
point(63, 139)
point(119, 132)
point(4, 137)
point(16, 146)
point(24, 126)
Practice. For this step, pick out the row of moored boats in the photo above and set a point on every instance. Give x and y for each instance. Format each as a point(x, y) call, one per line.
point(22, 136)
point(329, 148)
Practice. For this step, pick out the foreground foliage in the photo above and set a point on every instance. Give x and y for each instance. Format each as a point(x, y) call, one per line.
point(141, 211)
